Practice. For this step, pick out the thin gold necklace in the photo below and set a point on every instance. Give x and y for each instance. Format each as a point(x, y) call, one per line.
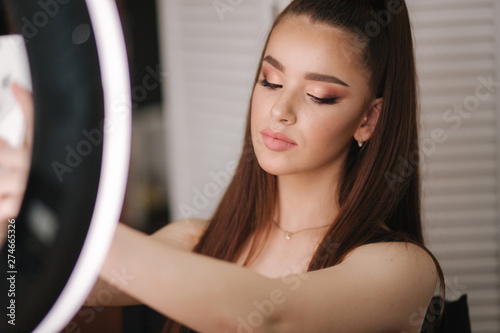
point(289, 234)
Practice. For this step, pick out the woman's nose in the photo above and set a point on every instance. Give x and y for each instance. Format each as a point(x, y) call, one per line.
point(283, 110)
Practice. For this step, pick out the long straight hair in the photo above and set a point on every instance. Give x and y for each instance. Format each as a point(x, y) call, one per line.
point(381, 181)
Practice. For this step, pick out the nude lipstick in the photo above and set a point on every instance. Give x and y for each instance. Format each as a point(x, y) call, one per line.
point(277, 141)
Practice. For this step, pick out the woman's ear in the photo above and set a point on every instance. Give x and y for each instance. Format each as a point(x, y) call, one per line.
point(369, 121)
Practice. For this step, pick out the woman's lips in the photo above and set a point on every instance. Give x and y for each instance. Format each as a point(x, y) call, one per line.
point(277, 141)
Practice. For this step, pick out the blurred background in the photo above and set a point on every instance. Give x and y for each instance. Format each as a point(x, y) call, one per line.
point(192, 67)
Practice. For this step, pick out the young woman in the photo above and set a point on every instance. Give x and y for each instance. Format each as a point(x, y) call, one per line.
point(319, 230)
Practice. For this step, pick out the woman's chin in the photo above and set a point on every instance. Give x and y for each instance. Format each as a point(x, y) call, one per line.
point(276, 168)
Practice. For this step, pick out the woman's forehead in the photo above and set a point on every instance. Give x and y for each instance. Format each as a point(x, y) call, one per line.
point(303, 46)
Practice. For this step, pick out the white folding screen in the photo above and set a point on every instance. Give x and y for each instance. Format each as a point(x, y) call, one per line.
point(457, 49)
point(210, 50)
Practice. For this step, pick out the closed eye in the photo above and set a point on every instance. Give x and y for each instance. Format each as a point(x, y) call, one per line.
point(269, 85)
point(326, 101)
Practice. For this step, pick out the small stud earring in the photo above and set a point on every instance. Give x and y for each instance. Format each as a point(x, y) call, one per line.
point(360, 144)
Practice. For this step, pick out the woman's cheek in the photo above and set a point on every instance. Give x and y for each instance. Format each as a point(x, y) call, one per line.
point(254, 111)
point(257, 103)
point(331, 133)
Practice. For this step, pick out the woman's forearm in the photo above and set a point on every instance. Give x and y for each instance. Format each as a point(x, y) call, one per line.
point(180, 284)
point(106, 294)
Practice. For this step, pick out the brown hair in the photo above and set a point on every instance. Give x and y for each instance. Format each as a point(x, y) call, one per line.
point(381, 181)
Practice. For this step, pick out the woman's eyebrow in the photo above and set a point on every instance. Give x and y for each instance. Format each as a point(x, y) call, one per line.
point(275, 63)
point(309, 76)
point(325, 78)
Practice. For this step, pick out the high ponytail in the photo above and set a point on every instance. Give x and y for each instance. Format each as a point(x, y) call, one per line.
point(382, 180)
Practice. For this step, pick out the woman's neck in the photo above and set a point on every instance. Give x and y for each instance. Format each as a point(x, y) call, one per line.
point(307, 200)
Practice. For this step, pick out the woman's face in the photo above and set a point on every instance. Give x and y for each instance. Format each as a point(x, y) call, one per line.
point(313, 90)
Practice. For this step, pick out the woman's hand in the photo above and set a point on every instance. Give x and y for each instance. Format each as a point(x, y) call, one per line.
point(15, 162)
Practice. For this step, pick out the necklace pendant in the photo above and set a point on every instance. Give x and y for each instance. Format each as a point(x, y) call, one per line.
point(288, 236)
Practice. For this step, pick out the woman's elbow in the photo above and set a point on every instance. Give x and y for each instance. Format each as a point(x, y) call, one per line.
point(263, 319)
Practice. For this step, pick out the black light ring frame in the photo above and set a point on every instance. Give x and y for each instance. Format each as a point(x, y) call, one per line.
point(81, 150)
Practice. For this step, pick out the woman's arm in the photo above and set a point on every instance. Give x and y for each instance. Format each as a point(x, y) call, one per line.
point(379, 287)
point(183, 235)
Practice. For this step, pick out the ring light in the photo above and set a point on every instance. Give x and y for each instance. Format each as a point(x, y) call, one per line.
point(81, 92)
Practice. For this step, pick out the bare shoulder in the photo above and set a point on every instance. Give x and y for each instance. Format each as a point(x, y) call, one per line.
point(380, 287)
point(394, 255)
point(183, 234)
point(390, 249)
point(402, 278)
point(406, 261)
